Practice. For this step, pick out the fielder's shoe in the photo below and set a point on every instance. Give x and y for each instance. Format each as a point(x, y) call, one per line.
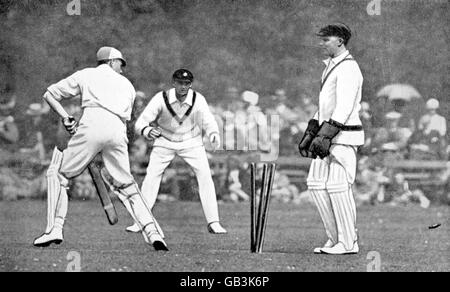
point(55, 236)
point(133, 228)
point(339, 248)
point(216, 228)
point(318, 250)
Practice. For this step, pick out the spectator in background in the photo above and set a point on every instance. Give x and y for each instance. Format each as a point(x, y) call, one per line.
point(284, 109)
point(432, 121)
point(256, 123)
point(37, 145)
point(398, 192)
point(283, 191)
point(9, 133)
point(234, 118)
point(369, 182)
point(236, 169)
point(392, 137)
point(366, 118)
point(406, 120)
point(429, 142)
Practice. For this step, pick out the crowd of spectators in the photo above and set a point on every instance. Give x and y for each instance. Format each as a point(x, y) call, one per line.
point(252, 124)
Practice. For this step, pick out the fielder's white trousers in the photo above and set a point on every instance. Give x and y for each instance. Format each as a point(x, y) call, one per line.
point(161, 157)
point(330, 183)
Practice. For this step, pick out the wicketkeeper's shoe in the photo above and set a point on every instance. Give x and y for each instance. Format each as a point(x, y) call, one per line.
point(339, 249)
point(55, 236)
point(318, 250)
point(216, 228)
point(133, 228)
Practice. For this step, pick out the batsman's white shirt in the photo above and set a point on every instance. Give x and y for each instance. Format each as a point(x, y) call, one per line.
point(107, 100)
point(98, 87)
point(340, 98)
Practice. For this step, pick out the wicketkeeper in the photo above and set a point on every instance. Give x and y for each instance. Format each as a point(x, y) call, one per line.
point(175, 120)
point(332, 138)
point(107, 98)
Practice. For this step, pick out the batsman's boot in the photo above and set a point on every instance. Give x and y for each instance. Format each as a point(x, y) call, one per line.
point(152, 236)
point(46, 239)
point(328, 244)
point(216, 228)
point(133, 228)
point(339, 249)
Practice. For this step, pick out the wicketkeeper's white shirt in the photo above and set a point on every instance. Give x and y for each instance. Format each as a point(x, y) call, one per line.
point(340, 98)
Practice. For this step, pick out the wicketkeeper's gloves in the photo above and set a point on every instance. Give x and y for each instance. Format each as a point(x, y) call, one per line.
point(70, 124)
point(321, 144)
point(310, 133)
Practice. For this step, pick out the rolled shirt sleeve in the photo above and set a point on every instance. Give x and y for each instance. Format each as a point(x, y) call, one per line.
point(150, 113)
point(66, 88)
point(208, 122)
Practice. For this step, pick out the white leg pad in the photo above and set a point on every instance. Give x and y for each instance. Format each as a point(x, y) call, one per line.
point(57, 200)
point(132, 198)
point(316, 181)
point(343, 203)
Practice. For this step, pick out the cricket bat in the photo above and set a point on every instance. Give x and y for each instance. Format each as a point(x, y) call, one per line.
point(103, 194)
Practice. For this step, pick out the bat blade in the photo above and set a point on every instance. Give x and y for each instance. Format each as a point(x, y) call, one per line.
point(103, 194)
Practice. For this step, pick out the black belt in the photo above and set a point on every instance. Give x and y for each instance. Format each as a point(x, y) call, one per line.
point(346, 127)
point(352, 128)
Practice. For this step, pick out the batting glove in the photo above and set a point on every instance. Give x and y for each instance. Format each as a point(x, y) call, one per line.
point(70, 124)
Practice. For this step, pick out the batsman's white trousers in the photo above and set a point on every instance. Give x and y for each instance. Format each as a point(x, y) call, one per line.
point(330, 183)
point(99, 131)
point(161, 157)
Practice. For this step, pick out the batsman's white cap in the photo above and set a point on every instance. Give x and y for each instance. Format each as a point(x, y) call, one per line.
point(109, 53)
point(250, 97)
point(432, 103)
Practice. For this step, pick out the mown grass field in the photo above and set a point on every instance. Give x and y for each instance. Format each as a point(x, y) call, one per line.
point(400, 235)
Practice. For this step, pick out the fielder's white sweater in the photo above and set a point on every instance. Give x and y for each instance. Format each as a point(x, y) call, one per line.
point(183, 125)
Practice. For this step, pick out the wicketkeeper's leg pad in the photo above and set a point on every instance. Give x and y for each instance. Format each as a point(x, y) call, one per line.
point(57, 199)
point(316, 182)
point(343, 203)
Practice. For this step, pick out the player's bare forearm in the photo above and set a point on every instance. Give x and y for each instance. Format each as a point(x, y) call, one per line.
point(55, 105)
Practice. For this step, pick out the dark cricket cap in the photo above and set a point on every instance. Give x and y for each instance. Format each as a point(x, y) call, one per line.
point(183, 75)
point(336, 29)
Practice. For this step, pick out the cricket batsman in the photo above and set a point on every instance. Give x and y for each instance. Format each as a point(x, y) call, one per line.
point(175, 120)
point(107, 98)
point(332, 138)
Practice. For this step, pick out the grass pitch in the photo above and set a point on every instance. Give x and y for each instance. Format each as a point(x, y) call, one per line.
point(399, 235)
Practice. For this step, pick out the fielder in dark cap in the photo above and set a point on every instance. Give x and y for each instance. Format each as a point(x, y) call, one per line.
point(339, 30)
point(176, 120)
point(183, 75)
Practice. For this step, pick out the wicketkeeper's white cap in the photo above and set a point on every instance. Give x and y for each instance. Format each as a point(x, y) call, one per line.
point(109, 53)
